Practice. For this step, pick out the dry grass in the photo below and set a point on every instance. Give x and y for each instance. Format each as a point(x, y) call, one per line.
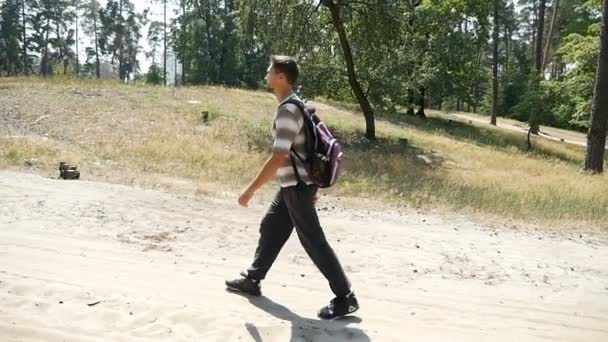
point(153, 136)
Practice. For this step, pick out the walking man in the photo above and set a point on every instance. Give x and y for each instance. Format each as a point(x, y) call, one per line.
point(294, 204)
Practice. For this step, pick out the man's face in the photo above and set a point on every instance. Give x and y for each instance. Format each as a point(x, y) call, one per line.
point(272, 78)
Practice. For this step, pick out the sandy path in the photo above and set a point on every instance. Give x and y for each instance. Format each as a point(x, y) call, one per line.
point(157, 261)
point(549, 133)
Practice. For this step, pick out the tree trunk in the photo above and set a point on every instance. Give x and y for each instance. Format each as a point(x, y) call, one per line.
point(495, 65)
point(77, 59)
point(366, 108)
point(25, 70)
point(210, 46)
point(44, 65)
point(121, 71)
point(534, 27)
point(184, 49)
point(420, 112)
point(61, 51)
point(538, 57)
point(97, 71)
point(165, 43)
point(596, 138)
point(410, 102)
point(554, 16)
point(507, 47)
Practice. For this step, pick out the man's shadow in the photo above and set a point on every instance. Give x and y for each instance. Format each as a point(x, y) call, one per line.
point(303, 329)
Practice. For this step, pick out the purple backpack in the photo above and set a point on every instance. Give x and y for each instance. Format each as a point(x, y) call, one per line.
point(324, 153)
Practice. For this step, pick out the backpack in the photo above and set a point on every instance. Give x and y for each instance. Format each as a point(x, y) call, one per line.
point(324, 153)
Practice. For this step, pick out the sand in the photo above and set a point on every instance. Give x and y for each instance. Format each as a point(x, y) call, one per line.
point(88, 261)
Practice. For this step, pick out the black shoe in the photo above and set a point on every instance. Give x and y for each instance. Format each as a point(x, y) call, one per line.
point(245, 285)
point(340, 306)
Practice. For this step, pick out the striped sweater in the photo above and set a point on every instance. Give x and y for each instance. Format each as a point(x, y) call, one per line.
point(287, 132)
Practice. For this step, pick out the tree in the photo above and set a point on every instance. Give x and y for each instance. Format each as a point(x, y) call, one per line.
point(538, 62)
point(164, 37)
point(538, 46)
point(120, 34)
point(153, 76)
point(495, 64)
point(165, 43)
point(10, 63)
point(91, 27)
point(64, 36)
point(77, 6)
point(554, 16)
point(155, 32)
point(370, 128)
point(51, 37)
point(596, 138)
point(24, 41)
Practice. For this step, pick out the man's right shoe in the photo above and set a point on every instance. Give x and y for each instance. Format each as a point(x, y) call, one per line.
point(339, 307)
point(245, 285)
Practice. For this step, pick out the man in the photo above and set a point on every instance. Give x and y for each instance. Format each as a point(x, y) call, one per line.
point(294, 204)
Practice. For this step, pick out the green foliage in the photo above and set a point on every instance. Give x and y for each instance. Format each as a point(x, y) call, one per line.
point(120, 35)
point(581, 52)
point(441, 48)
point(154, 75)
point(10, 36)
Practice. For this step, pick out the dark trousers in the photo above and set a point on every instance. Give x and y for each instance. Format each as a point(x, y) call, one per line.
point(294, 206)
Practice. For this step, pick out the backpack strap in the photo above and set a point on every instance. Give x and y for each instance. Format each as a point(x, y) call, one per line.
point(307, 126)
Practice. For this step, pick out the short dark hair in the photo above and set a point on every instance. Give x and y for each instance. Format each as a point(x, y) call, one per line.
point(287, 66)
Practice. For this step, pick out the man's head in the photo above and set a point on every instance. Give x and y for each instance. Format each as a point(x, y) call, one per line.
point(282, 73)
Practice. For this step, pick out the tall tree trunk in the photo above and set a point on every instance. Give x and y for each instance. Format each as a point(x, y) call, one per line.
point(44, 65)
point(97, 71)
point(370, 127)
point(538, 57)
point(210, 45)
point(538, 60)
point(165, 43)
point(25, 70)
point(77, 59)
point(507, 39)
point(554, 16)
point(184, 49)
point(121, 71)
point(596, 138)
point(534, 28)
point(495, 65)
point(61, 50)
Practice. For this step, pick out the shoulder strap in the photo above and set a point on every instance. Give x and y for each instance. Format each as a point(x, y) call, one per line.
point(309, 124)
point(310, 133)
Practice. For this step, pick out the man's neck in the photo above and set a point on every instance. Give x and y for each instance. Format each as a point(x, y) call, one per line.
point(281, 95)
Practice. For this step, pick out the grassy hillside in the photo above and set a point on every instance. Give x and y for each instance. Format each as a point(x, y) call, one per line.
point(155, 136)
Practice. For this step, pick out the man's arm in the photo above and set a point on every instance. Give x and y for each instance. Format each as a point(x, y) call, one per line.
point(267, 173)
point(288, 123)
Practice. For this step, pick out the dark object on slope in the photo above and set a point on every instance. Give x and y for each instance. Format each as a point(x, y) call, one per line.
point(67, 171)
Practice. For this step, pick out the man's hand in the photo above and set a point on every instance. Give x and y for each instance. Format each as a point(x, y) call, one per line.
point(245, 197)
point(265, 175)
